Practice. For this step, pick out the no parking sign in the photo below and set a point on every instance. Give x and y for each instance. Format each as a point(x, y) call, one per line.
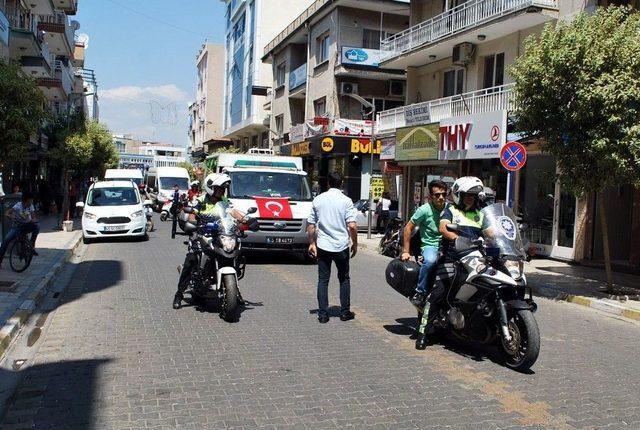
point(513, 156)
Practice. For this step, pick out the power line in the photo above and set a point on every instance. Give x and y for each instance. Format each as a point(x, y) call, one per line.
point(153, 18)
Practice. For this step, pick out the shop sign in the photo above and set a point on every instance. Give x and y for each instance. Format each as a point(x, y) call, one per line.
point(363, 146)
point(470, 137)
point(361, 56)
point(296, 134)
point(377, 187)
point(388, 151)
point(389, 167)
point(417, 143)
point(298, 77)
point(327, 144)
point(299, 149)
point(352, 127)
point(320, 120)
point(417, 114)
point(4, 29)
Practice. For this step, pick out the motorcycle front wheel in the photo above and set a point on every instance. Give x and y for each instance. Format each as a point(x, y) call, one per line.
point(150, 225)
point(230, 300)
point(523, 349)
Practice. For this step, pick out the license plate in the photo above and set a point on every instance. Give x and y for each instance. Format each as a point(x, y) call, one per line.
point(114, 227)
point(280, 240)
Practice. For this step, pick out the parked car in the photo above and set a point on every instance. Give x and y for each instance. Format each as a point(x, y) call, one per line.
point(113, 209)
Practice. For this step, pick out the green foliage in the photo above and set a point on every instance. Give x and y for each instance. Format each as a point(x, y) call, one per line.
point(229, 150)
point(578, 88)
point(21, 111)
point(190, 169)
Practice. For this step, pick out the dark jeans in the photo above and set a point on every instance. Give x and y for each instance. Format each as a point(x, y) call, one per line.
point(383, 220)
point(15, 232)
point(325, 258)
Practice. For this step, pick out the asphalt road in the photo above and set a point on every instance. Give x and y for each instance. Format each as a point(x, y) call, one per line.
point(114, 354)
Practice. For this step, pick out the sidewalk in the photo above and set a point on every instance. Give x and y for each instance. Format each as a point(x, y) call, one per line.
point(21, 292)
point(570, 282)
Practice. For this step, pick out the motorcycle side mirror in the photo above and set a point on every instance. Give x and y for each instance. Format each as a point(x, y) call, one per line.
point(252, 210)
point(148, 202)
point(452, 227)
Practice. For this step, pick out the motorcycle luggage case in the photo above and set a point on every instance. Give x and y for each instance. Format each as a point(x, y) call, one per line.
point(402, 276)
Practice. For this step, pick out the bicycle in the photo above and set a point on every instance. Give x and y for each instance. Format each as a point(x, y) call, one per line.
point(21, 253)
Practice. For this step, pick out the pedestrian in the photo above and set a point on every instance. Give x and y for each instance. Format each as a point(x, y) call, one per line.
point(24, 219)
point(74, 190)
point(383, 214)
point(331, 224)
point(45, 197)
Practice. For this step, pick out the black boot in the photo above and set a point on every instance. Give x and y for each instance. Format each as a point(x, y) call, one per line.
point(177, 300)
point(418, 299)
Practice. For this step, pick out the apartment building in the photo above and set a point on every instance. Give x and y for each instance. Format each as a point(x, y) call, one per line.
point(251, 24)
point(145, 154)
point(458, 116)
point(4, 32)
point(326, 80)
point(205, 114)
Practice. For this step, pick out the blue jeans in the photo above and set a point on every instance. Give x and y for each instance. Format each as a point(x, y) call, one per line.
point(341, 259)
point(15, 232)
point(430, 255)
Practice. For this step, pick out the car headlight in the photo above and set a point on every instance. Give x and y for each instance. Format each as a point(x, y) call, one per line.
point(228, 243)
point(515, 269)
point(89, 215)
point(137, 214)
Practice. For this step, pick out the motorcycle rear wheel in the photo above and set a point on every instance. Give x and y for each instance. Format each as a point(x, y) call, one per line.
point(230, 300)
point(523, 350)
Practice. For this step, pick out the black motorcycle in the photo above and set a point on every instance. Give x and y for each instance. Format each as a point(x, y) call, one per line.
point(214, 263)
point(391, 242)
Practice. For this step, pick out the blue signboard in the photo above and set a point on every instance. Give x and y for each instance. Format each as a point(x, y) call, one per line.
point(361, 56)
point(298, 77)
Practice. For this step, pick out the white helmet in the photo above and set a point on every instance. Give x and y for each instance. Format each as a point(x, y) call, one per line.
point(216, 180)
point(467, 185)
point(195, 183)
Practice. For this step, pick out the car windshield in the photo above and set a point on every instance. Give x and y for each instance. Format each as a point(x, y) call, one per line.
point(269, 184)
point(113, 196)
point(167, 183)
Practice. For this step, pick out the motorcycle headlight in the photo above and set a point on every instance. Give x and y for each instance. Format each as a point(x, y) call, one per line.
point(88, 215)
point(228, 243)
point(137, 214)
point(515, 269)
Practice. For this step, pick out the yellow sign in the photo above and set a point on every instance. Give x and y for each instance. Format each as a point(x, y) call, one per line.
point(327, 144)
point(377, 187)
point(418, 143)
point(298, 149)
point(363, 146)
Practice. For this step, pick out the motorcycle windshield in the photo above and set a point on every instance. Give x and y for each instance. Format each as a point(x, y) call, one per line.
point(501, 230)
point(227, 223)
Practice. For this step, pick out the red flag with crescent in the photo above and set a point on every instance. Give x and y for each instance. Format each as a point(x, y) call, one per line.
point(274, 207)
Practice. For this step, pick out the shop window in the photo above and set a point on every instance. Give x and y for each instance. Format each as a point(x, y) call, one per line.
point(493, 70)
point(453, 82)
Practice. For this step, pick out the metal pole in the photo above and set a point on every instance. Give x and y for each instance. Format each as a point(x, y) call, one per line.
point(371, 146)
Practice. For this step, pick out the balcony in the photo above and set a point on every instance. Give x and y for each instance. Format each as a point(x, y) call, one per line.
point(65, 74)
point(59, 34)
point(70, 7)
point(58, 108)
point(437, 36)
point(486, 100)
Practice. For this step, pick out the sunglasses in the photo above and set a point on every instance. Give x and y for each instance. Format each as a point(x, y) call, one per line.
point(436, 195)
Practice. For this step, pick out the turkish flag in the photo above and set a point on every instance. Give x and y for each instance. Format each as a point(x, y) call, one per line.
point(274, 207)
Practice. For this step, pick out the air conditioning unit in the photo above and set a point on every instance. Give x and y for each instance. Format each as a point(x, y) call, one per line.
point(462, 54)
point(397, 88)
point(348, 88)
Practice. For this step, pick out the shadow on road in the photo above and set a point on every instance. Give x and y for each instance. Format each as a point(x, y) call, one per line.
point(53, 395)
point(276, 257)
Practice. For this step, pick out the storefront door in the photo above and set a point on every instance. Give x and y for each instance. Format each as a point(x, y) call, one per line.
point(564, 224)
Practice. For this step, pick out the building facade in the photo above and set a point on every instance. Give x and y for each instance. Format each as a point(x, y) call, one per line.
point(326, 81)
point(144, 154)
point(250, 24)
point(457, 117)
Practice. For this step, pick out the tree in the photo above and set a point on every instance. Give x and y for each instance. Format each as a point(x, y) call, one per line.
point(577, 87)
point(21, 111)
point(190, 169)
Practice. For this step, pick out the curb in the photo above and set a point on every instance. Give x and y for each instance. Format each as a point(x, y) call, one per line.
point(32, 299)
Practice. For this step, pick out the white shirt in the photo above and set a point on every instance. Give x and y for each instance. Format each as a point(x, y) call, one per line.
point(331, 213)
point(22, 215)
point(386, 204)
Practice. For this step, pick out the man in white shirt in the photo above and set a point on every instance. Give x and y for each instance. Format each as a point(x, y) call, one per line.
point(23, 215)
point(330, 225)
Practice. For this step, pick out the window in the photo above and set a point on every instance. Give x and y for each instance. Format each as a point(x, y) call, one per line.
point(371, 38)
point(279, 125)
point(268, 184)
point(453, 82)
point(322, 48)
point(320, 107)
point(280, 73)
point(494, 70)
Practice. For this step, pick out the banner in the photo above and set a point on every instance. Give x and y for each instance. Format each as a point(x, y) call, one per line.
point(298, 77)
point(296, 134)
point(417, 143)
point(417, 114)
point(352, 127)
point(274, 207)
point(476, 136)
point(388, 151)
point(360, 56)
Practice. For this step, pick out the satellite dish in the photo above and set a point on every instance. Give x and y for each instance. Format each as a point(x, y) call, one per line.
point(84, 40)
point(75, 25)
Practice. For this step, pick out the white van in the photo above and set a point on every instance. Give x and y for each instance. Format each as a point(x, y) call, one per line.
point(134, 175)
point(269, 176)
point(161, 180)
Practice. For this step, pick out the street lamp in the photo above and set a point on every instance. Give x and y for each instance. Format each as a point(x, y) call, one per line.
point(372, 106)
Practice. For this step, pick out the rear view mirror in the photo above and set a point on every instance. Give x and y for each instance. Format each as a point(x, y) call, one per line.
point(452, 227)
point(252, 210)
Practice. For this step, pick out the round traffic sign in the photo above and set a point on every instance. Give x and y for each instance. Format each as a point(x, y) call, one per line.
point(513, 156)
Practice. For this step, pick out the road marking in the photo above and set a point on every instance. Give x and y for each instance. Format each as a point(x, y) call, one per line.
point(454, 369)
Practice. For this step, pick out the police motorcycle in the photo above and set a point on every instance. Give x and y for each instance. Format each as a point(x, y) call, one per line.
point(214, 263)
point(488, 301)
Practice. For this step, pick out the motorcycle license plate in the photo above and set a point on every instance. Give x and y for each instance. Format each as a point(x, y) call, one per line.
point(114, 227)
point(280, 240)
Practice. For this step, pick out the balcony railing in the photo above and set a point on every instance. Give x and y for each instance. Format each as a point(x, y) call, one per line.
point(461, 18)
point(486, 100)
point(65, 74)
point(60, 19)
point(24, 22)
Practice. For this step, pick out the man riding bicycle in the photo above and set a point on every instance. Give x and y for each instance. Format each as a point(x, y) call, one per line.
point(23, 215)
